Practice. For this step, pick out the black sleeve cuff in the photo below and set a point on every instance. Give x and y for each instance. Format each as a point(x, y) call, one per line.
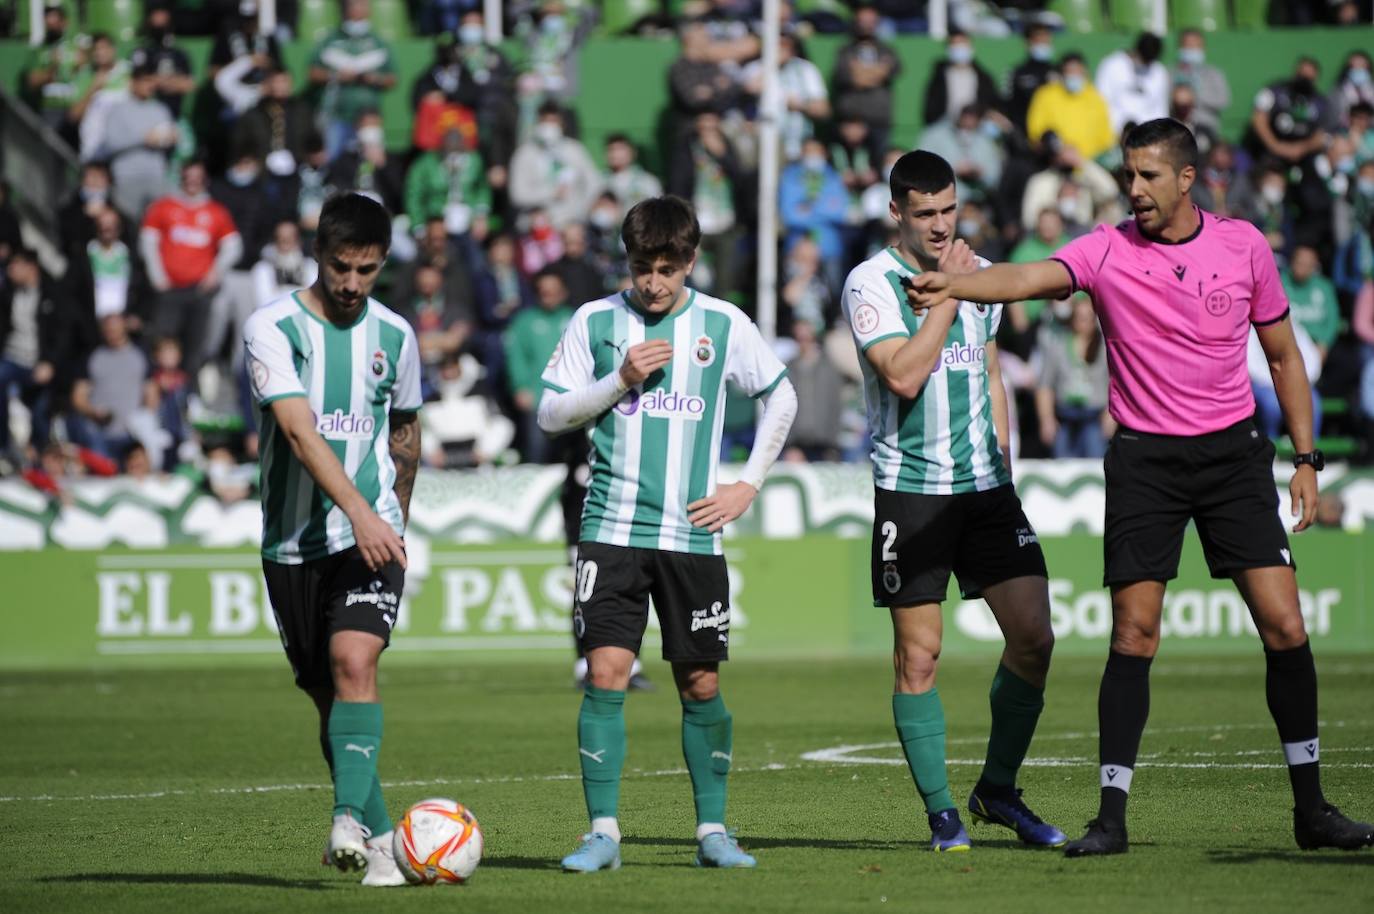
point(1073, 279)
point(1270, 323)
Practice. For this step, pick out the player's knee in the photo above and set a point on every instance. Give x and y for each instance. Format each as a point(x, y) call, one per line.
point(915, 666)
point(1285, 634)
point(1135, 641)
point(1035, 648)
point(354, 672)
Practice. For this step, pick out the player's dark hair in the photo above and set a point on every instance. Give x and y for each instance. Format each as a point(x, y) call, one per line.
point(353, 221)
point(661, 227)
point(920, 171)
point(1177, 141)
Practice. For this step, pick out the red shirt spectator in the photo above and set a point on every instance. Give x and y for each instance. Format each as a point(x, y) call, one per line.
point(190, 231)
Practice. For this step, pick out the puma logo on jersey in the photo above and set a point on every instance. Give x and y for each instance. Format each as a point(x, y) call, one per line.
point(365, 750)
point(594, 756)
point(618, 347)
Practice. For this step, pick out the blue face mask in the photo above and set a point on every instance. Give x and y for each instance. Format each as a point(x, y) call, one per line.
point(989, 129)
point(1191, 56)
point(1041, 52)
point(960, 54)
point(1358, 77)
point(552, 25)
point(471, 34)
point(1365, 186)
point(1074, 84)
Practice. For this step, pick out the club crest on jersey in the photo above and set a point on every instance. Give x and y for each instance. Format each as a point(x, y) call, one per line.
point(379, 364)
point(892, 581)
point(704, 351)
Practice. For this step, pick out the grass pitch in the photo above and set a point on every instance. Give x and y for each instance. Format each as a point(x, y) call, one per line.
point(203, 791)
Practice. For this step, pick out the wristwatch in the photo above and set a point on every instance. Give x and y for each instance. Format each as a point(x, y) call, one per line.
point(1315, 459)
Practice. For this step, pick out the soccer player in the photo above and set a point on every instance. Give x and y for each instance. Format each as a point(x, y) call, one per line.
point(1177, 290)
point(646, 371)
point(336, 375)
point(944, 502)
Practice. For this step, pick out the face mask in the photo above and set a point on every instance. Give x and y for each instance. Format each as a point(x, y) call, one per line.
point(1218, 175)
point(1074, 84)
point(968, 228)
point(602, 219)
point(1272, 193)
point(1358, 77)
point(1191, 56)
point(887, 174)
point(1365, 186)
point(547, 132)
point(89, 194)
point(813, 162)
point(552, 25)
point(960, 54)
point(1041, 52)
point(241, 177)
point(1346, 165)
point(471, 34)
point(1063, 310)
point(357, 27)
point(989, 129)
point(370, 136)
point(1068, 209)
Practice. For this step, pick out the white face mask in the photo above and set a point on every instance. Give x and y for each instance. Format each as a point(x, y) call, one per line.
point(548, 132)
point(1063, 310)
point(471, 34)
point(357, 27)
point(960, 54)
point(813, 162)
point(1068, 208)
point(1041, 52)
point(1358, 77)
point(1272, 193)
point(1073, 83)
point(370, 136)
point(241, 177)
point(1191, 56)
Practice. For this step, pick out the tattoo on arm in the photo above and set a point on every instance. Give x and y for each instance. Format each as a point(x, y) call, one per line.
point(404, 444)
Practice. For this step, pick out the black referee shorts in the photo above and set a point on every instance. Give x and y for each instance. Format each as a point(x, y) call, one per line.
point(1223, 482)
point(313, 600)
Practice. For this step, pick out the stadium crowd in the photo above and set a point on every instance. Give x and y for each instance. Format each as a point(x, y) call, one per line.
point(504, 223)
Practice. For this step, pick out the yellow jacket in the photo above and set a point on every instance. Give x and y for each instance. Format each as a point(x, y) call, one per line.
point(1080, 120)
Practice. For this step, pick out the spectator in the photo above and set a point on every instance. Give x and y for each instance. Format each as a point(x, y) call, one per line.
point(975, 227)
point(815, 433)
point(461, 427)
point(105, 277)
point(1217, 182)
point(254, 210)
point(1029, 75)
point(1312, 298)
point(283, 266)
point(804, 289)
point(173, 397)
point(309, 187)
point(188, 242)
point(11, 234)
point(98, 85)
point(76, 218)
point(813, 202)
point(33, 325)
point(864, 72)
point(451, 185)
point(581, 276)
point(494, 80)
point(1362, 328)
point(51, 69)
point(442, 324)
point(1072, 110)
point(169, 62)
point(1268, 416)
point(540, 244)
point(438, 251)
point(443, 99)
point(1286, 124)
point(851, 156)
point(697, 80)
point(554, 172)
point(1071, 398)
point(1354, 86)
point(115, 402)
point(552, 38)
point(801, 94)
point(976, 157)
point(353, 67)
point(1183, 108)
point(530, 341)
point(708, 172)
point(1264, 204)
point(874, 203)
point(501, 291)
point(139, 133)
point(1078, 186)
point(1211, 91)
point(625, 177)
point(365, 166)
point(275, 129)
point(957, 81)
point(241, 60)
point(1134, 84)
point(1048, 237)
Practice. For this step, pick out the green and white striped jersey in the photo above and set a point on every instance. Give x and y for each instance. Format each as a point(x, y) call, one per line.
point(944, 441)
point(354, 378)
point(657, 449)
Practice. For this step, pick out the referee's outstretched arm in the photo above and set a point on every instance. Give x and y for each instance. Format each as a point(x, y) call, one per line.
point(1001, 282)
point(1295, 400)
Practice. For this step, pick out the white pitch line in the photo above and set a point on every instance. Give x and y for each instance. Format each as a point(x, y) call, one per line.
point(844, 755)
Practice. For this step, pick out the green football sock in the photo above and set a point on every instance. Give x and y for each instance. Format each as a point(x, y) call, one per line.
point(1016, 707)
point(601, 749)
point(355, 738)
point(921, 726)
point(707, 738)
point(375, 816)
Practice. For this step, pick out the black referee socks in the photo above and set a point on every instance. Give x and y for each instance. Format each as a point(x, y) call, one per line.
point(1123, 705)
point(1290, 686)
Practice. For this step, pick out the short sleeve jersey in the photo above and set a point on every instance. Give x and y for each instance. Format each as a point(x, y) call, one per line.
point(944, 441)
point(189, 235)
point(353, 377)
point(656, 450)
point(1176, 318)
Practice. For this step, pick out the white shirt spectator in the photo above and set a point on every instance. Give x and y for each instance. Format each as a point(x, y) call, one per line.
point(1133, 94)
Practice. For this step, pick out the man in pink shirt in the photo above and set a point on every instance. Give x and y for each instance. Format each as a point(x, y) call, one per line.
point(1177, 290)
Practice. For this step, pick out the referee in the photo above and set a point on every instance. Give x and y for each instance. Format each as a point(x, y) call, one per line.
point(1177, 290)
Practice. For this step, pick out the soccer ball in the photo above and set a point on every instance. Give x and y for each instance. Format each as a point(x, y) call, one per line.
point(437, 841)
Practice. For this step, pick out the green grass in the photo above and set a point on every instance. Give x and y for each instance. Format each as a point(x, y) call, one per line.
point(84, 751)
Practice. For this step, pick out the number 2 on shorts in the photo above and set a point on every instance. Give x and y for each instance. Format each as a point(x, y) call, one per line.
point(889, 537)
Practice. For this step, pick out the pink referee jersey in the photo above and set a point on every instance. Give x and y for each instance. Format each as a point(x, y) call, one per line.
point(1176, 318)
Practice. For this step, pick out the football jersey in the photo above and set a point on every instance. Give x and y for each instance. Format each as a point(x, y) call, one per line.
point(944, 441)
point(353, 378)
point(656, 450)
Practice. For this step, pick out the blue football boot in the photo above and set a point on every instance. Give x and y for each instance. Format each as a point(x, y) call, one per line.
point(947, 833)
point(597, 852)
point(1012, 812)
point(721, 850)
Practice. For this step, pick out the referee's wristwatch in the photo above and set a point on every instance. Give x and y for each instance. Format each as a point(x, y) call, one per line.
point(1315, 459)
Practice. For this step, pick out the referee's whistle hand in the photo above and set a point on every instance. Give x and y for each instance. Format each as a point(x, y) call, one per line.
point(1303, 488)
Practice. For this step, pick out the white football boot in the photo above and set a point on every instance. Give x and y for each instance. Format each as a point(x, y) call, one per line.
point(381, 865)
point(347, 848)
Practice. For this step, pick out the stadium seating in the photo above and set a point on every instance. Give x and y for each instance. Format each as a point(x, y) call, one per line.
point(316, 19)
point(1083, 16)
point(1204, 15)
point(1131, 15)
point(1250, 14)
point(391, 20)
point(120, 19)
point(618, 16)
